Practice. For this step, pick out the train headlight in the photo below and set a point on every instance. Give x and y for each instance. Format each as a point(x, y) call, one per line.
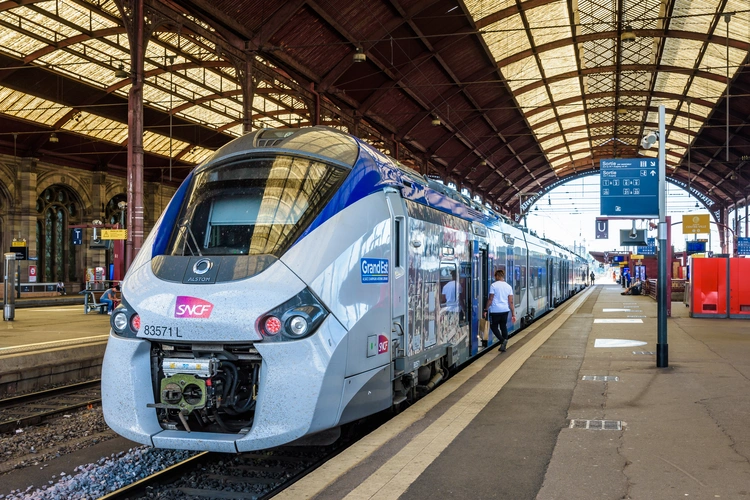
point(119, 321)
point(297, 326)
point(125, 321)
point(294, 319)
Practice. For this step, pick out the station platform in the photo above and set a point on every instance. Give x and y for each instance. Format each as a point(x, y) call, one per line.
point(50, 345)
point(576, 408)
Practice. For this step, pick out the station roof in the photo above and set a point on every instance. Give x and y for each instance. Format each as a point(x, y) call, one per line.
point(501, 97)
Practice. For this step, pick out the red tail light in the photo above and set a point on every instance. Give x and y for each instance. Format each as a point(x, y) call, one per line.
point(135, 322)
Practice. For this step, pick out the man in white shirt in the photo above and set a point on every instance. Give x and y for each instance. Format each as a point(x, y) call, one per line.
point(450, 294)
point(499, 304)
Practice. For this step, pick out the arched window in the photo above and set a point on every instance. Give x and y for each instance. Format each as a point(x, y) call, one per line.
point(57, 208)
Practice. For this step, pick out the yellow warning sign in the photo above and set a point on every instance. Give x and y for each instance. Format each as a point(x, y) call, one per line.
point(114, 234)
point(636, 257)
point(695, 224)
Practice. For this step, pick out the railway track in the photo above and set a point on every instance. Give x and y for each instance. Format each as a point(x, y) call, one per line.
point(30, 409)
point(258, 475)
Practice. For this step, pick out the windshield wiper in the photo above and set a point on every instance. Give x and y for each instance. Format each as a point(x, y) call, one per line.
point(185, 226)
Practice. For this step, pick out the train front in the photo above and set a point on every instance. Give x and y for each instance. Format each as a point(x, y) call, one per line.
point(218, 345)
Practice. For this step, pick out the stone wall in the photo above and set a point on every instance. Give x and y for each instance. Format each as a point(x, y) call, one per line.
point(22, 181)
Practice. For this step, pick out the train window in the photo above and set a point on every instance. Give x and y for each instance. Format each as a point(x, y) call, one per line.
point(523, 277)
point(517, 281)
point(448, 286)
point(256, 206)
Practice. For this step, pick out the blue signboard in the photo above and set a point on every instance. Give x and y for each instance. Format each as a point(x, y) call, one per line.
point(743, 246)
point(650, 249)
point(77, 236)
point(630, 187)
point(374, 270)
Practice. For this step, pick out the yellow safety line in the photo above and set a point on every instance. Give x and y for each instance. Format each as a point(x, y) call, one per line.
point(393, 477)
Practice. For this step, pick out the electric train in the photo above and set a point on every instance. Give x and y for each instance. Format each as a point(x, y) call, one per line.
point(296, 282)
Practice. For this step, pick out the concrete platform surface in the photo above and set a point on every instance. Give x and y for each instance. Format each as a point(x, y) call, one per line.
point(526, 424)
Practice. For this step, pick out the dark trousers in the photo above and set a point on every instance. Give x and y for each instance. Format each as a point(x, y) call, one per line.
point(499, 320)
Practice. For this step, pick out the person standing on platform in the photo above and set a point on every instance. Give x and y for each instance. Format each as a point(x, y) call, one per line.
point(499, 305)
point(592, 277)
point(626, 276)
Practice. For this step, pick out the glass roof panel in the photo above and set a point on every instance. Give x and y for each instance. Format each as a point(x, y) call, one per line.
point(682, 122)
point(159, 144)
point(559, 61)
point(535, 118)
point(30, 108)
point(706, 89)
point(739, 25)
point(681, 52)
point(690, 15)
point(671, 83)
point(533, 98)
point(17, 44)
point(715, 59)
point(483, 8)
point(70, 11)
point(572, 122)
point(197, 155)
point(96, 126)
point(506, 37)
point(206, 116)
point(548, 22)
point(579, 156)
point(560, 162)
point(565, 89)
point(41, 25)
point(521, 73)
point(236, 131)
point(675, 136)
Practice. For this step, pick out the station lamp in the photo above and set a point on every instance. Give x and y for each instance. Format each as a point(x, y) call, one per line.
point(359, 56)
point(628, 35)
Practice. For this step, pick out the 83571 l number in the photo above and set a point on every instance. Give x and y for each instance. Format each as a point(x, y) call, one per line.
point(161, 331)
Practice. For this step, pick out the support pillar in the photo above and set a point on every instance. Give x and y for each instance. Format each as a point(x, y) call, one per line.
point(247, 80)
point(133, 15)
point(25, 226)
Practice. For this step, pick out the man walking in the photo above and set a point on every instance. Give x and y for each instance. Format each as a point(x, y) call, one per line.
point(499, 304)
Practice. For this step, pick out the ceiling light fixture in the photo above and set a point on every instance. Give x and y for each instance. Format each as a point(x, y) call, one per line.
point(621, 111)
point(53, 138)
point(121, 73)
point(628, 35)
point(359, 56)
point(436, 121)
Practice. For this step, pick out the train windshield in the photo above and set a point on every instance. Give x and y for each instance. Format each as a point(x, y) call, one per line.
point(256, 206)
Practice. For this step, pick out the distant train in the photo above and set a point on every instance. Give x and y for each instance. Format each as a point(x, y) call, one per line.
point(293, 284)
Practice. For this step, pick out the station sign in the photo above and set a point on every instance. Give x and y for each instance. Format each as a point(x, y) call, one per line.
point(636, 257)
point(602, 229)
point(114, 234)
point(18, 244)
point(629, 187)
point(743, 246)
point(77, 236)
point(22, 253)
point(650, 249)
point(696, 224)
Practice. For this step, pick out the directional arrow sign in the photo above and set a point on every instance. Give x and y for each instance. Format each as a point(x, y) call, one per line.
point(629, 187)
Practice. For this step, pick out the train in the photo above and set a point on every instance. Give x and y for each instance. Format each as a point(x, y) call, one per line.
point(294, 283)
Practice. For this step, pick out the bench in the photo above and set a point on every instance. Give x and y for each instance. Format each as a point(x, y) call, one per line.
point(90, 303)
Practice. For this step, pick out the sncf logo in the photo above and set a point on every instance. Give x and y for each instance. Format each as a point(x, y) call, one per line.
point(382, 344)
point(192, 307)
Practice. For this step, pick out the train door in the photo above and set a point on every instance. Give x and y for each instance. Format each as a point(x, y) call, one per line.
point(550, 283)
point(480, 278)
point(398, 281)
